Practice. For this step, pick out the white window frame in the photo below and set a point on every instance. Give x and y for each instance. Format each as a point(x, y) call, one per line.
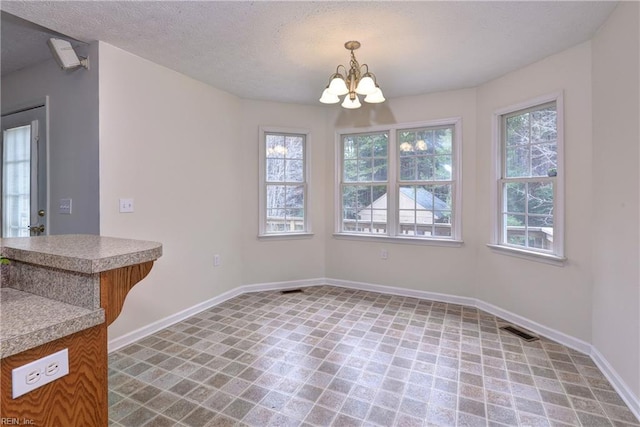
point(393, 183)
point(556, 256)
point(262, 192)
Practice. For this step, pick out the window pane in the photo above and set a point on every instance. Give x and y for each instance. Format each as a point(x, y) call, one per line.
point(350, 170)
point(420, 207)
point(544, 125)
point(349, 148)
point(442, 227)
point(275, 214)
point(276, 196)
point(442, 196)
point(425, 168)
point(297, 214)
point(540, 198)
point(275, 170)
point(540, 221)
point(294, 171)
point(275, 146)
point(365, 170)
point(293, 145)
point(363, 196)
point(16, 180)
point(443, 141)
point(407, 149)
point(430, 140)
point(424, 143)
point(380, 146)
point(544, 159)
point(514, 194)
point(349, 198)
point(518, 129)
point(517, 161)
point(516, 231)
point(284, 183)
point(365, 146)
point(294, 196)
point(443, 167)
point(540, 232)
point(380, 169)
point(407, 168)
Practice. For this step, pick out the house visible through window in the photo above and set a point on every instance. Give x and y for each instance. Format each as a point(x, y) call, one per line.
point(401, 182)
point(530, 177)
point(283, 183)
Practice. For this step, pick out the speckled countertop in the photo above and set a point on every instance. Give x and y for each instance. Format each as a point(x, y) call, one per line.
point(27, 320)
point(81, 252)
point(40, 302)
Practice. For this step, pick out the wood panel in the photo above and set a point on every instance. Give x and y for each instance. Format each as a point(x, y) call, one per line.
point(77, 399)
point(116, 284)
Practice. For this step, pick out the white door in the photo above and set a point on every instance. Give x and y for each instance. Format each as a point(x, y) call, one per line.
point(24, 173)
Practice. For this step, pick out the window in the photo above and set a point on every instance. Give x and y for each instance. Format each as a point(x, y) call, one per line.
point(401, 182)
point(283, 182)
point(529, 183)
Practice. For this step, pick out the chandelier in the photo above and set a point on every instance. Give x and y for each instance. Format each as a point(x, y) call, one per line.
point(358, 80)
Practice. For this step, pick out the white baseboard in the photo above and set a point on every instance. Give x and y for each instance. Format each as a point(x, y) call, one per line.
point(616, 381)
point(561, 337)
point(133, 336)
point(432, 296)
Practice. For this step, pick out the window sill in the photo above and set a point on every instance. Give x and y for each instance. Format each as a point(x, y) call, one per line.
point(556, 260)
point(400, 240)
point(285, 236)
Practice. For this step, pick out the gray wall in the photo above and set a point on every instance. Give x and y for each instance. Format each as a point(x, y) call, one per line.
point(73, 136)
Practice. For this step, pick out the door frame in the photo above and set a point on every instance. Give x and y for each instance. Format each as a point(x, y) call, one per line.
point(25, 106)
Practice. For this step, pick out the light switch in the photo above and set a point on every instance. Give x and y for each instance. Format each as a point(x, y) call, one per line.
point(126, 205)
point(64, 207)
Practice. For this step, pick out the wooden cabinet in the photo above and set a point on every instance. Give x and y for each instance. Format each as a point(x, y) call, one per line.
point(78, 399)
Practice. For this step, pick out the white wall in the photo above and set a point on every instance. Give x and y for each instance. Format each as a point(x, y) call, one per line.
point(73, 135)
point(615, 201)
point(438, 269)
point(556, 297)
point(275, 259)
point(172, 144)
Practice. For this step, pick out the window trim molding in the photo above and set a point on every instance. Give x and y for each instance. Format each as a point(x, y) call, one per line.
point(456, 178)
point(557, 256)
point(262, 182)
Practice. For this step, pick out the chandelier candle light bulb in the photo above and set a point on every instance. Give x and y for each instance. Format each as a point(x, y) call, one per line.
point(356, 80)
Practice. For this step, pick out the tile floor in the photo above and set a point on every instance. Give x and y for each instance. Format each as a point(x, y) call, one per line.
point(341, 357)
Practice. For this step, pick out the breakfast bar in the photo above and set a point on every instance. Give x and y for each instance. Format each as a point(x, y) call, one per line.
point(61, 292)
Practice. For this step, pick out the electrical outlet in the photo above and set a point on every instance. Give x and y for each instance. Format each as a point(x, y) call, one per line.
point(126, 205)
point(65, 206)
point(39, 372)
point(384, 254)
point(216, 260)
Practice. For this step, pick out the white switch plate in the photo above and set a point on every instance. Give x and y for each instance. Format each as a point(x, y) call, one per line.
point(39, 372)
point(64, 207)
point(126, 205)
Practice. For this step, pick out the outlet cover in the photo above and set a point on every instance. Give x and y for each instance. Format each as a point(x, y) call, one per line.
point(64, 207)
point(39, 372)
point(126, 205)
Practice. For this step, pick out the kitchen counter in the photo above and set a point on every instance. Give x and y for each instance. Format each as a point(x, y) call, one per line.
point(29, 320)
point(57, 293)
point(53, 288)
point(81, 253)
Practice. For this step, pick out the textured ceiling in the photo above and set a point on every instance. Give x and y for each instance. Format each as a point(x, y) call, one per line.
point(285, 51)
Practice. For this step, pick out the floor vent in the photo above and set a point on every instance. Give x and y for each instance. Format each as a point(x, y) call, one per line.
point(522, 334)
point(291, 291)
